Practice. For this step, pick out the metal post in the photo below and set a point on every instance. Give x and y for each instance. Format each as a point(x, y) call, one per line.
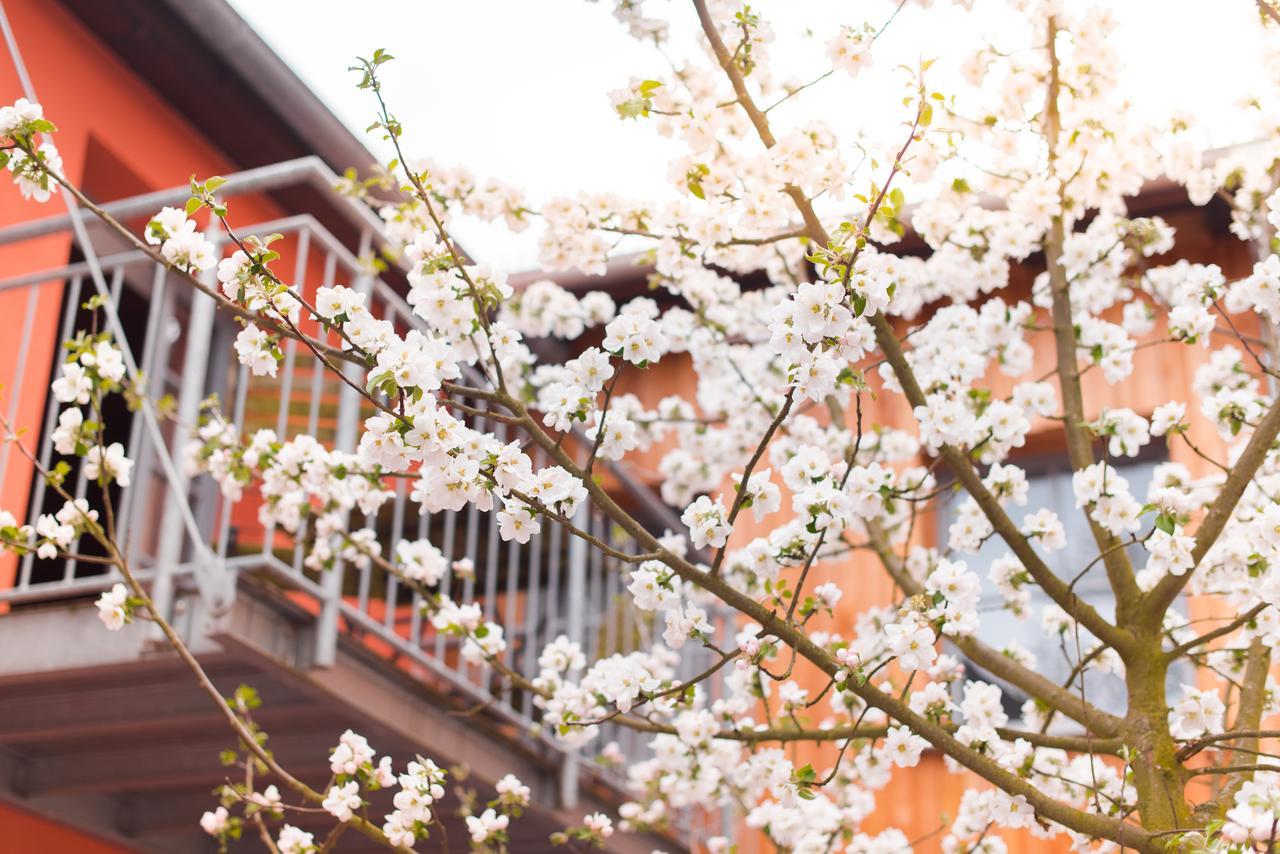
point(190, 393)
point(577, 604)
point(326, 640)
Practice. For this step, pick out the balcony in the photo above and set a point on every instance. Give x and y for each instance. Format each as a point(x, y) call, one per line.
point(107, 732)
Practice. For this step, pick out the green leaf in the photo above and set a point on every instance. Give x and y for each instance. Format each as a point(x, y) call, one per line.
point(193, 205)
point(859, 304)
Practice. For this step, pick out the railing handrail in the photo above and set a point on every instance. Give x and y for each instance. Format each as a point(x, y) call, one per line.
point(302, 170)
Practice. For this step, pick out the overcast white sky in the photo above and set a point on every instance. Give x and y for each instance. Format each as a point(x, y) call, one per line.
point(515, 89)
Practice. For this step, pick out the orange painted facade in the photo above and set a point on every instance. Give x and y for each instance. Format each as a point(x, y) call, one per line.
point(21, 832)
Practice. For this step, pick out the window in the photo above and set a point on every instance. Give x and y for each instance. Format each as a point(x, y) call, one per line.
point(1049, 486)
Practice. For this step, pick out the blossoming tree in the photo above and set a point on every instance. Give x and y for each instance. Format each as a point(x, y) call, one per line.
point(1027, 160)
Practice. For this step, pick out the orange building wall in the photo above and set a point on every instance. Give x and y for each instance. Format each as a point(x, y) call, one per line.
point(23, 832)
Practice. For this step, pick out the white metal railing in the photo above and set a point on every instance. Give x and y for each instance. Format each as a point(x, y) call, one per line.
point(536, 591)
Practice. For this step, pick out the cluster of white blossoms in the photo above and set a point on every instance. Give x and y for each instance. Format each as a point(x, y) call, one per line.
point(418, 791)
point(483, 639)
point(421, 786)
point(179, 241)
point(1199, 712)
point(818, 335)
point(798, 306)
point(654, 587)
point(1253, 817)
point(1105, 494)
point(30, 165)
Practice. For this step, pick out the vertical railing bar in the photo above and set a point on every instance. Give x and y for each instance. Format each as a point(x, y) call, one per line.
point(491, 569)
point(46, 441)
point(587, 592)
point(286, 388)
point(286, 383)
point(313, 409)
point(513, 589)
point(177, 520)
point(415, 618)
point(491, 541)
point(155, 310)
point(551, 625)
point(81, 489)
point(450, 535)
point(139, 446)
point(290, 356)
point(610, 607)
point(299, 539)
point(491, 588)
point(290, 347)
point(117, 286)
point(726, 638)
point(637, 635)
point(397, 524)
point(596, 606)
point(363, 586)
point(346, 429)
point(469, 583)
point(530, 628)
point(317, 374)
point(576, 624)
point(224, 514)
point(473, 535)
